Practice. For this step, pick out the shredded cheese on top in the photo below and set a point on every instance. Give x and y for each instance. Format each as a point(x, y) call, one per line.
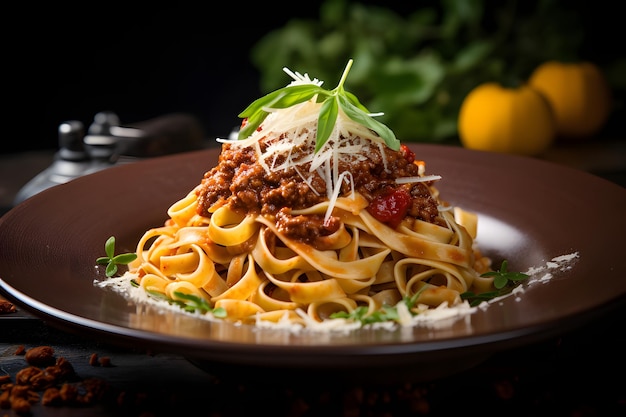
point(290, 138)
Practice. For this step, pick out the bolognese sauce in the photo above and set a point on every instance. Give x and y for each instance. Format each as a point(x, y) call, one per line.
point(240, 181)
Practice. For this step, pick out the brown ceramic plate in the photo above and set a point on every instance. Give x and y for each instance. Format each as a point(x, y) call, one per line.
point(530, 211)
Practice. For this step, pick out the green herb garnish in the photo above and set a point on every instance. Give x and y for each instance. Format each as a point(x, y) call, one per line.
point(475, 299)
point(385, 313)
point(503, 280)
point(194, 303)
point(503, 277)
point(187, 302)
point(332, 101)
point(111, 260)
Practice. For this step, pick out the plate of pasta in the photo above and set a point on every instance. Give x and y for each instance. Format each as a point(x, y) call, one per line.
point(529, 212)
point(307, 244)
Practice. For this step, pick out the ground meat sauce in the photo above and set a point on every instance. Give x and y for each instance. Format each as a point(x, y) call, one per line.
point(240, 181)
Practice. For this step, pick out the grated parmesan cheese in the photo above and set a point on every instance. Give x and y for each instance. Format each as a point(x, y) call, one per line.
point(290, 136)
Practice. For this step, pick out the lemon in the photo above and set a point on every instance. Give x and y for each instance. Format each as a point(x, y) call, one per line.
point(515, 120)
point(579, 95)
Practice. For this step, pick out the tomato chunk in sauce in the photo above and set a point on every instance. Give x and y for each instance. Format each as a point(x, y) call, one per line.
point(390, 207)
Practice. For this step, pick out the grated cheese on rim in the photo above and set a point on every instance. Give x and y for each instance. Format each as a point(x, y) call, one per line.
point(440, 317)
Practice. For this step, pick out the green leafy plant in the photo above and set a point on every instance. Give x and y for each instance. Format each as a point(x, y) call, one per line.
point(111, 260)
point(503, 280)
point(416, 61)
point(332, 101)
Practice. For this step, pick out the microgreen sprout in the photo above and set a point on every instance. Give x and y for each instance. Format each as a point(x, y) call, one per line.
point(332, 101)
point(112, 260)
point(503, 280)
point(191, 303)
point(385, 313)
point(187, 302)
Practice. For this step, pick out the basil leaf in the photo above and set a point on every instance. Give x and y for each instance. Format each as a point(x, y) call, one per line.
point(326, 122)
point(279, 99)
point(297, 94)
point(282, 98)
point(354, 100)
point(331, 101)
point(260, 103)
point(252, 123)
point(366, 120)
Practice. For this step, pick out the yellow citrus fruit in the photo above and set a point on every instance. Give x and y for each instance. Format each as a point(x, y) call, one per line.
point(579, 95)
point(509, 120)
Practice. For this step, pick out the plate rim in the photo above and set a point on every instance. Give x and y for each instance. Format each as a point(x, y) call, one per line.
point(489, 342)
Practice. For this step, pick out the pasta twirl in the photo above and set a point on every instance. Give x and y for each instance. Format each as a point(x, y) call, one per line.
point(290, 228)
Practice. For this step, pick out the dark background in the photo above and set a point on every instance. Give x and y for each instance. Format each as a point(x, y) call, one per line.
point(69, 62)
